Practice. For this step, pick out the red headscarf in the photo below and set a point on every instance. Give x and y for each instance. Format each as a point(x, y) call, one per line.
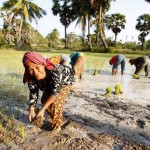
point(36, 58)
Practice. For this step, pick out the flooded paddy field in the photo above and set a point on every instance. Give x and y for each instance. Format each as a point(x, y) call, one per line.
point(91, 120)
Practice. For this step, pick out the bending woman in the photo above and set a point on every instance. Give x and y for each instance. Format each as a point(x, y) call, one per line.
point(78, 60)
point(140, 63)
point(116, 61)
point(54, 80)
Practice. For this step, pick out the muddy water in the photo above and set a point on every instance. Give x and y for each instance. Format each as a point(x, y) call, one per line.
point(132, 88)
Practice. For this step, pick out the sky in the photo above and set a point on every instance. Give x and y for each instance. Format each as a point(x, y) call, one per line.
point(132, 9)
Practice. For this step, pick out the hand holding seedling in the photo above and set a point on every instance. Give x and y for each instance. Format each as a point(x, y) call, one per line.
point(41, 113)
point(135, 76)
point(31, 114)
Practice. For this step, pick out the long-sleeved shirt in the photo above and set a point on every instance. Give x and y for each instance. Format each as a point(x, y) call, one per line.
point(55, 79)
point(141, 62)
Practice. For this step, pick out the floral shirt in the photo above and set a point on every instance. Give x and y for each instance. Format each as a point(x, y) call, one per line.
point(55, 79)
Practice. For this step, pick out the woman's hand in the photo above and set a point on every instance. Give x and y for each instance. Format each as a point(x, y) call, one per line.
point(31, 113)
point(41, 113)
point(50, 100)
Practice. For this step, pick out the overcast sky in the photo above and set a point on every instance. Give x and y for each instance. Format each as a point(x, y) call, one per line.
point(132, 9)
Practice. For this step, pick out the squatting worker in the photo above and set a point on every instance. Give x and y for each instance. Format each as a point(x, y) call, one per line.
point(78, 60)
point(117, 60)
point(54, 80)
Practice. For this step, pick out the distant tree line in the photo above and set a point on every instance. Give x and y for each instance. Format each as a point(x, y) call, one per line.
point(18, 14)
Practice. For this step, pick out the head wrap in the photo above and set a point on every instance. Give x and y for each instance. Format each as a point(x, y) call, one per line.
point(131, 61)
point(36, 58)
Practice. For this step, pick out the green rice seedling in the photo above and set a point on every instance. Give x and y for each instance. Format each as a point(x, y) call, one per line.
point(135, 76)
point(4, 131)
point(21, 131)
point(118, 89)
point(37, 109)
point(95, 72)
point(13, 122)
point(94, 61)
point(1, 110)
point(108, 91)
point(7, 140)
point(1, 125)
point(18, 113)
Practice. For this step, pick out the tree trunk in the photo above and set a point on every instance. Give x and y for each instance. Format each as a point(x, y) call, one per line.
point(19, 36)
point(66, 37)
point(143, 42)
point(89, 34)
point(115, 39)
point(101, 34)
point(83, 36)
point(83, 31)
point(97, 39)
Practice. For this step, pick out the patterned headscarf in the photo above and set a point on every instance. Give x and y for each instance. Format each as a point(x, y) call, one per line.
point(36, 58)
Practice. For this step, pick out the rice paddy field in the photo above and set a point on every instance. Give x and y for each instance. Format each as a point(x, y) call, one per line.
point(13, 93)
point(92, 121)
point(11, 72)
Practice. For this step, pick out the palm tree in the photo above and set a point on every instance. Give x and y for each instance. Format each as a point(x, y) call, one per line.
point(53, 38)
point(143, 26)
point(26, 9)
point(84, 11)
point(101, 7)
point(115, 22)
point(66, 13)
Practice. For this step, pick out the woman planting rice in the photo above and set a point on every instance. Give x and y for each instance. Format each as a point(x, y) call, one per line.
point(54, 80)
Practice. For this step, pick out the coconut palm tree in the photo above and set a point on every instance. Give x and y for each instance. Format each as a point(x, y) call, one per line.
point(115, 22)
point(53, 38)
point(101, 6)
point(84, 11)
point(143, 25)
point(66, 13)
point(26, 9)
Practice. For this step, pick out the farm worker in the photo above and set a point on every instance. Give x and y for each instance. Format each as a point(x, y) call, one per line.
point(60, 59)
point(78, 60)
point(141, 62)
point(54, 80)
point(116, 61)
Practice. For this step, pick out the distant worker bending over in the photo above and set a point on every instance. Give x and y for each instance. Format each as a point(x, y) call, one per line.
point(115, 61)
point(140, 63)
point(78, 60)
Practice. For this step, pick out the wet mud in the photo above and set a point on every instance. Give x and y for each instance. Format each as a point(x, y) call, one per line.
point(91, 120)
